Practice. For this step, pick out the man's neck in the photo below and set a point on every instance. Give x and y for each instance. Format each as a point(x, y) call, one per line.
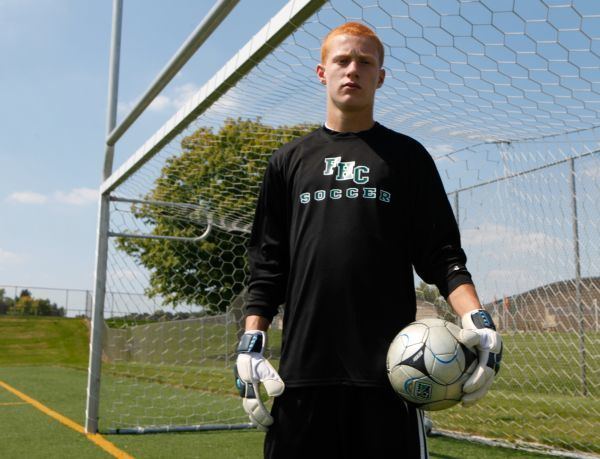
point(349, 122)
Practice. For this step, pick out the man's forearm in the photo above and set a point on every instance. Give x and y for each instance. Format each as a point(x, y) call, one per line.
point(464, 299)
point(254, 322)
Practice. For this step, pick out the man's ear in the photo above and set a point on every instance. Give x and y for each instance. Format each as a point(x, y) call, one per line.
point(381, 78)
point(321, 73)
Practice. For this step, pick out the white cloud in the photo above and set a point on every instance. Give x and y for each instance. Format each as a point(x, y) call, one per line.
point(27, 197)
point(441, 149)
point(7, 257)
point(511, 277)
point(488, 234)
point(183, 93)
point(497, 283)
point(174, 100)
point(123, 108)
point(229, 102)
point(75, 197)
point(125, 274)
point(593, 171)
point(160, 103)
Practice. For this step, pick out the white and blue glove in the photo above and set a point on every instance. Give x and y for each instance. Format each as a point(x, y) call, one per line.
point(250, 370)
point(479, 333)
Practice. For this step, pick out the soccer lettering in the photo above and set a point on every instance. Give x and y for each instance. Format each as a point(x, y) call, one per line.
point(346, 170)
point(349, 193)
point(369, 193)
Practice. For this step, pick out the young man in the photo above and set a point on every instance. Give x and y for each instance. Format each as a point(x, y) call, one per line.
point(343, 215)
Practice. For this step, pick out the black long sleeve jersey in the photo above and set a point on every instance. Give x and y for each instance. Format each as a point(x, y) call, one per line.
point(340, 221)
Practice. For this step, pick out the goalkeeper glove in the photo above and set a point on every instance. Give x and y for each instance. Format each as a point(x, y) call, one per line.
point(250, 370)
point(479, 332)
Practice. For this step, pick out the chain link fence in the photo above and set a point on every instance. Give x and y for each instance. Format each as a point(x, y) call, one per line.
point(504, 95)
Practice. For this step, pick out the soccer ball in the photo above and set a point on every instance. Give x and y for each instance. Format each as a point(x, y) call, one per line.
point(427, 365)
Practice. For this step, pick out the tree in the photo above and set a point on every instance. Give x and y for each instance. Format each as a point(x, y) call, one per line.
point(26, 305)
point(431, 294)
point(426, 292)
point(221, 173)
point(5, 302)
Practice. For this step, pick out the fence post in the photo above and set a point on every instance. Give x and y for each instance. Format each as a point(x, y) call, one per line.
point(578, 278)
point(457, 214)
point(456, 208)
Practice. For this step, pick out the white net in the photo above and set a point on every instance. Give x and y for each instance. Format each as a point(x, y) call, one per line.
point(505, 95)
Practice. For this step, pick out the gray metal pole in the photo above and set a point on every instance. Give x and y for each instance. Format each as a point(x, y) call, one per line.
point(227, 337)
point(95, 362)
point(457, 320)
point(210, 22)
point(456, 209)
point(578, 277)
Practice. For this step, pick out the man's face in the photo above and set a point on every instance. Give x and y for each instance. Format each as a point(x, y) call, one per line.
point(351, 72)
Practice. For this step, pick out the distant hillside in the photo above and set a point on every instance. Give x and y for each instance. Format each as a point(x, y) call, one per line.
point(43, 340)
point(551, 307)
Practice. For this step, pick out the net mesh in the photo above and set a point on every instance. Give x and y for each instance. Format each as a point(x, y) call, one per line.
point(505, 96)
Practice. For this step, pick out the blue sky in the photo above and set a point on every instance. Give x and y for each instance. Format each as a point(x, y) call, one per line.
point(54, 91)
point(54, 79)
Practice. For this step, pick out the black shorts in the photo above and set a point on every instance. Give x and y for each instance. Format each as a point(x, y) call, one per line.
point(344, 422)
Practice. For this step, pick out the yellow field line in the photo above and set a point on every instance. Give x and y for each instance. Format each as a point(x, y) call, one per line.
point(95, 438)
point(12, 403)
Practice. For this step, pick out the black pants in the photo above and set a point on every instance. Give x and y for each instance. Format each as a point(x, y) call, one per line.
point(344, 422)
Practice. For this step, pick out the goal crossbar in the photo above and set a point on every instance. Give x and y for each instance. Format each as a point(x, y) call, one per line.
point(272, 34)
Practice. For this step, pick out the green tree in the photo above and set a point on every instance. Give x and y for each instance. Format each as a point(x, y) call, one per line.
point(426, 292)
point(5, 302)
point(221, 172)
point(44, 307)
point(26, 305)
point(431, 294)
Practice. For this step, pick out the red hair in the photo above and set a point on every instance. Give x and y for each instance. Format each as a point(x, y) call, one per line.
point(352, 28)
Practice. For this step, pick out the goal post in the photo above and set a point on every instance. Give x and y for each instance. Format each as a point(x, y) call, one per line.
point(506, 98)
point(97, 317)
point(277, 29)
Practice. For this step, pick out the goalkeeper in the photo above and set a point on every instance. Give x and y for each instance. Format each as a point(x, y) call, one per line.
point(343, 215)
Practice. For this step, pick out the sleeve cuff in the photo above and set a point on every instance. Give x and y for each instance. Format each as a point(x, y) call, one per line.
point(456, 280)
point(261, 310)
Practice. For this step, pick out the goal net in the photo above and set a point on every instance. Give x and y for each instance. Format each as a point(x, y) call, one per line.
point(505, 95)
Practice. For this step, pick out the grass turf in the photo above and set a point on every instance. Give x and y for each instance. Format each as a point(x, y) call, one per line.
point(33, 434)
point(46, 340)
point(34, 354)
point(537, 397)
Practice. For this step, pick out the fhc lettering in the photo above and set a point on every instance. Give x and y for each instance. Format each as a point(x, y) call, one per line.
point(346, 171)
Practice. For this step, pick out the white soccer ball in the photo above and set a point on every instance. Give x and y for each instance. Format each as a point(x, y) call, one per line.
point(427, 365)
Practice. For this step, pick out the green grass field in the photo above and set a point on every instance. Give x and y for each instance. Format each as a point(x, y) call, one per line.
point(46, 359)
point(537, 397)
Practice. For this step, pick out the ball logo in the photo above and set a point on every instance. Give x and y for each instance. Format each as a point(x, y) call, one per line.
point(423, 390)
point(417, 356)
